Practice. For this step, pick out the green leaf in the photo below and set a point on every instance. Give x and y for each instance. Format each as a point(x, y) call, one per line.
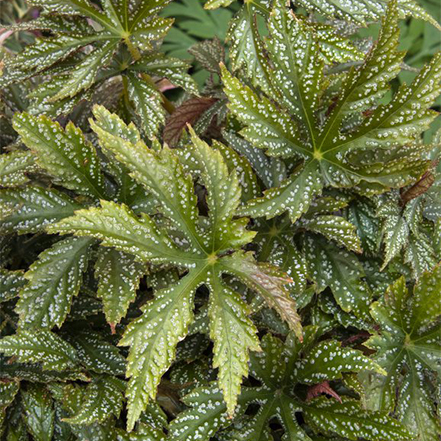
point(71, 7)
point(96, 353)
point(234, 335)
point(118, 279)
point(10, 284)
point(103, 398)
point(38, 413)
point(214, 4)
point(117, 226)
point(36, 374)
point(8, 391)
point(160, 172)
point(269, 282)
point(30, 209)
point(242, 167)
point(341, 145)
point(14, 167)
point(223, 196)
point(207, 415)
point(328, 360)
point(420, 255)
point(341, 271)
point(147, 102)
point(349, 421)
point(175, 70)
point(246, 45)
point(380, 66)
point(41, 55)
point(153, 338)
point(209, 53)
point(408, 347)
point(276, 369)
point(335, 228)
point(40, 346)
point(65, 154)
point(334, 48)
point(362, 11)
point(54, 279)
point(83, 75)
point(293, 195)
point(298, 68)
point(362, 214)
point(267, 126)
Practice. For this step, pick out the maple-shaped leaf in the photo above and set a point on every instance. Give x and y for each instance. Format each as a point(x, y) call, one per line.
point(278, 368)
point(248, 50)
point(286, 119)
point(408, 347)
point(205, 246)
point(97, 45)
point(305, 256)
point(363, 11)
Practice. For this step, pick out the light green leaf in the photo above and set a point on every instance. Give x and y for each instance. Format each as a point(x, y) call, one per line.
point(223, 196)
point(117, 226)
point(234, 335)
point(160, 172)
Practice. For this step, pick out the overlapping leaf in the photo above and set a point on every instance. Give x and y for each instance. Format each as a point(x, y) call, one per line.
point(278, 368)
point(126, 30)
point(188, 241)
point(331, 152)
point(408, 347)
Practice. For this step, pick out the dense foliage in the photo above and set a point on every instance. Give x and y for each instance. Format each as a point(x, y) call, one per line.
point(222, 227)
